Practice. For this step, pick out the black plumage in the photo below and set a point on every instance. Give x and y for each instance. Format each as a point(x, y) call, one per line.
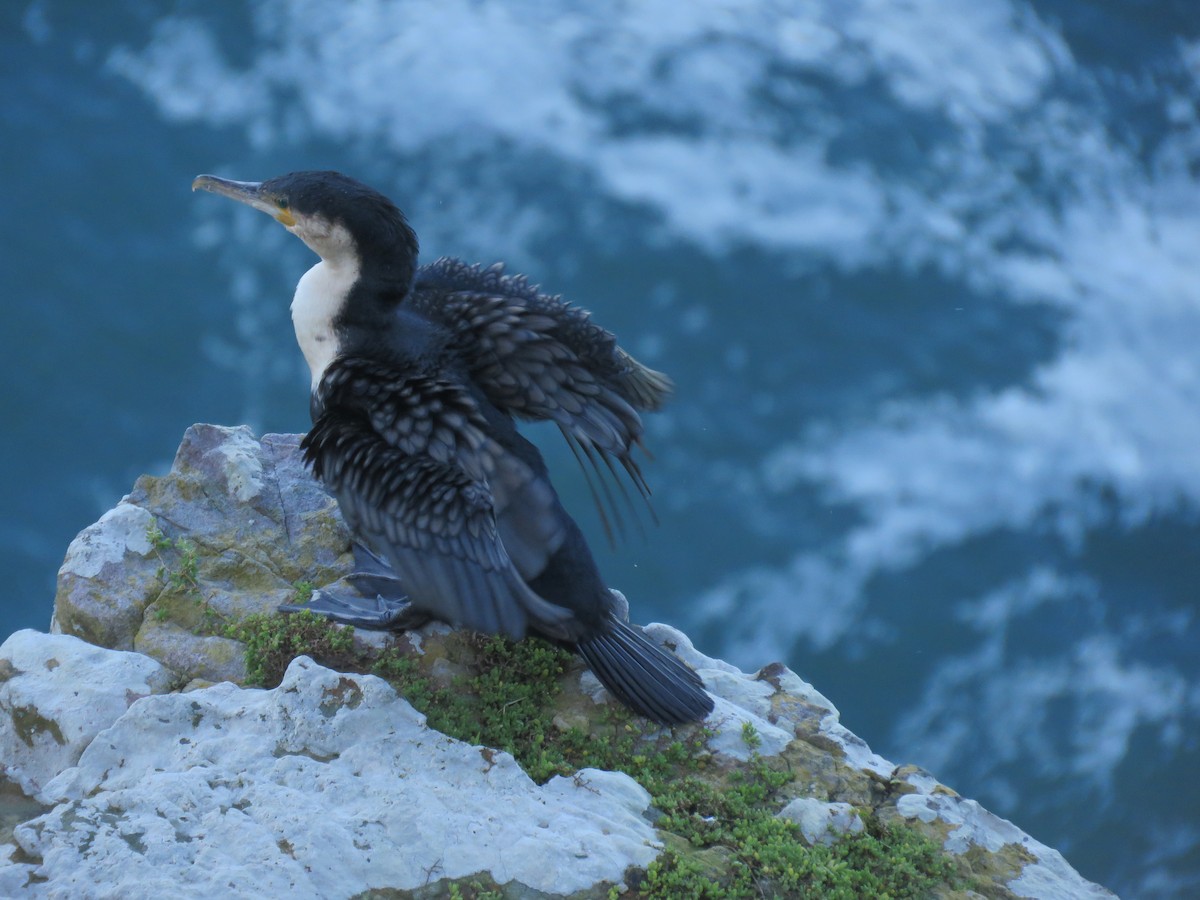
point(418, 377)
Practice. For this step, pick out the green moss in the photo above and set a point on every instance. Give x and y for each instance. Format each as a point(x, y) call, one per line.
point(273, 641)
point(475, 889)
point(769, 860)
point(767, 856)
point(676, 875)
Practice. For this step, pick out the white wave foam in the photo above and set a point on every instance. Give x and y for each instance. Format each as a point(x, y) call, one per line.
point(1115, 408)
point(990, 710)
point(704, 148)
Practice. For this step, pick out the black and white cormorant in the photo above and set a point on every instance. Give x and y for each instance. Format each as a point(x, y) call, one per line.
point(417, 376)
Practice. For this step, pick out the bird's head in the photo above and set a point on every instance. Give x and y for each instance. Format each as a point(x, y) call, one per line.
point(340, 219)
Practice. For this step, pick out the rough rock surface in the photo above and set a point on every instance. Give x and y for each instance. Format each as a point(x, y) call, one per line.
point(822, 823)
point(56, 694)
point(330, 784)
point(226, 791)
point(241, 523)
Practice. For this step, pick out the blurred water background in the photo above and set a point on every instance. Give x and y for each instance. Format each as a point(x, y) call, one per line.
point(927, 276)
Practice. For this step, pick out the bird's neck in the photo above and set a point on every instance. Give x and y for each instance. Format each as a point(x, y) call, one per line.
point(321, 297)
point(353, 292)
point(342, 302)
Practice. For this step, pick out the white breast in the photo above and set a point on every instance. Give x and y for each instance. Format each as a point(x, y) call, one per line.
point(319, 297)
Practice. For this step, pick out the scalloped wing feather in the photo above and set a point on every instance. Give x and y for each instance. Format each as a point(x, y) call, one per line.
point(539, 357)
point(424, 487)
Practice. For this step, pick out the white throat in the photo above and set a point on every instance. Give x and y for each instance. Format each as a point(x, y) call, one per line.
point(319, 297)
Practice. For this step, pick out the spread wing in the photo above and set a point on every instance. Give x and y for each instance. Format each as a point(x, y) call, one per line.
point(539, 357)
point(420, 482)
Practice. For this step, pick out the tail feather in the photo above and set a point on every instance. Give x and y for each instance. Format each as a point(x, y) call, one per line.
point(644, 677)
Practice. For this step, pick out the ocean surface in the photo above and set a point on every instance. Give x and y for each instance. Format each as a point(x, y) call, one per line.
point(927, 275)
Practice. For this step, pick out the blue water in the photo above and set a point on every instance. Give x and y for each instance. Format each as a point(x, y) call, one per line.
point(927, 275)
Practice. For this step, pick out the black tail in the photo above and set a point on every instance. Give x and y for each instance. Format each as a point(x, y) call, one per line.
point(644, 677)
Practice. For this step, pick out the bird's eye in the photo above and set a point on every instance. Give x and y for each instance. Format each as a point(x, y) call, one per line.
point(281, 202)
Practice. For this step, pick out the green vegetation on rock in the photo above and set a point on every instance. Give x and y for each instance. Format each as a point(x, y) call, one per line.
point(182, 576)
point(179, 570)
point(272, 641)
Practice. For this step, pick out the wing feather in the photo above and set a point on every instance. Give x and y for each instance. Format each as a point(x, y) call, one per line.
point(538, 357)
point(421, 484)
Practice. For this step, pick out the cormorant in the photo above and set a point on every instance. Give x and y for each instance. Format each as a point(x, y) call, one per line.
point(417, 375)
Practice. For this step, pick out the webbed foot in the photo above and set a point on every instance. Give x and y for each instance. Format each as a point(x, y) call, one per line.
point(377, 602)
point(378, 613)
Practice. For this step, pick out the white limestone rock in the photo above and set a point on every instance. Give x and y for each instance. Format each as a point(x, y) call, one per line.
point(56, 693)
point(327, 786)
point(106, 579)
point(740, 700)
point(243, 468)
point(14, 875)
point(778, 703)
point(1048, 877)
point(822, 823)
point(255, 524)
point(123, 529)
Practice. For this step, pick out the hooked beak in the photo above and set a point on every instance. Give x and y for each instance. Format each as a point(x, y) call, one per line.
point(249, 192)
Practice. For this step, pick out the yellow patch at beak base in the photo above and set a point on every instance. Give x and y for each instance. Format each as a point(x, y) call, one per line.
point(286, 218)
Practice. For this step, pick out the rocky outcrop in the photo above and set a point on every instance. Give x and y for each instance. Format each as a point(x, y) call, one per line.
point(230, 531)
point(332, 785)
